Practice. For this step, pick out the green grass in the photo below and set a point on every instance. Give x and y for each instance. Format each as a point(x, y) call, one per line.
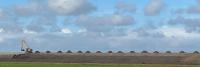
point(15, 64)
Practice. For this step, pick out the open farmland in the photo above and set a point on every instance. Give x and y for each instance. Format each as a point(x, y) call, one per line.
point(14, 64)
point(106, 58)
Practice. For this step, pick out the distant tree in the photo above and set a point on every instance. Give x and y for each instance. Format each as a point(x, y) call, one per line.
point(110, 52)
point(87, 52)
point(156, 52)
point(196, 52)
point(132, 52)
point(145, 51)
point(79, 52)
point(168, 52)
point(37, 51)
point(98, 52)
point(59, 52)
point(69, 51)
point(48, 51)
point(182, 52)
point(120, 52)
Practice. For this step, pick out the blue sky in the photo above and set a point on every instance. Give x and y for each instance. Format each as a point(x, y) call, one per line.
point(100, 25)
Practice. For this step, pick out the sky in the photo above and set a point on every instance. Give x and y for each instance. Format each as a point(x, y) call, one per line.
point(117, 25)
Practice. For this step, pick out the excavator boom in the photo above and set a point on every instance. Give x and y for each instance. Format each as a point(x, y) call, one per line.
point(25, 47)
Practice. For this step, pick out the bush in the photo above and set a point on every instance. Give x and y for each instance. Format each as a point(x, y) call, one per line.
point(69, 51)
point(182, 52)
point(156, 52)
point(168, 52)
point(87, 52)
point(37, 51)
point(59, 52)
point(98, 52)
point(145, 52)
point(110, 52)
point(79, 52)
point(48, 51)
point(132, 52)
point(196, 52)
point(120, 52)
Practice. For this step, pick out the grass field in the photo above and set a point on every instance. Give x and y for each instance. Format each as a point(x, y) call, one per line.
point(15, 64)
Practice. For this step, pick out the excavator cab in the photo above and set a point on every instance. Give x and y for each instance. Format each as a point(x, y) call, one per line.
point(22, 50)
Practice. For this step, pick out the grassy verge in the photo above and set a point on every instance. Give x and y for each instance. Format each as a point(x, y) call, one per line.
point(16, 64)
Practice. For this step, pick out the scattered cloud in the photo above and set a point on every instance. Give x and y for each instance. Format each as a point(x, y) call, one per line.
point(123, 7)
point(104, 23)
point(71, 7)
point(66, 31)
point(43, 24)
point(190, 24)
point(154, 7)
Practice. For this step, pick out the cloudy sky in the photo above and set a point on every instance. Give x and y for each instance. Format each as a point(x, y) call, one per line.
point(100, 25)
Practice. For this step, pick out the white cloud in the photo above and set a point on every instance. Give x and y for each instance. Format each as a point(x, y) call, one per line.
point(104, 23)
point(32, 8)
point(190, 24)
point(125, 7)
point(66, 31)
point(154, 7)
point(3, 15)
point(1, 30)
point(29, 32)
point(82, 31)
point(71, 7)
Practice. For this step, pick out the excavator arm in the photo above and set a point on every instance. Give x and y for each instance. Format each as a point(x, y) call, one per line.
point(25, 47)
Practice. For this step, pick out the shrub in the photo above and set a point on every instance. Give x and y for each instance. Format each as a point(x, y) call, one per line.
point(132, 52)
point(37, 51)
point(182, 52)
point(79, 52)
point(156, 52)
point(69, 51)
point(120, 52)
point(48, 51)
point(145, 51)
point(110, 52)
point(87, 52)
point(168, 52)
point(98, 52)
point(196, 52)
point(59, 52)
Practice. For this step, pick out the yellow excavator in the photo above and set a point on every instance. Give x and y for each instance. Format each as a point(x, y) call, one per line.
point(25, 47)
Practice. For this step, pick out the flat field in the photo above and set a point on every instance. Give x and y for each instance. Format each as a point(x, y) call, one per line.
point(24, 64)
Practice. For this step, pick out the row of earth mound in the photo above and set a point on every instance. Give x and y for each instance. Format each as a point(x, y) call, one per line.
point(195, 52)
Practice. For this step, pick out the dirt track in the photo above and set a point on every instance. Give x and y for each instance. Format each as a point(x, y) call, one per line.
point(127, 58)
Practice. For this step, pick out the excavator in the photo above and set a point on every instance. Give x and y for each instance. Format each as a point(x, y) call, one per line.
point(25, 47)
